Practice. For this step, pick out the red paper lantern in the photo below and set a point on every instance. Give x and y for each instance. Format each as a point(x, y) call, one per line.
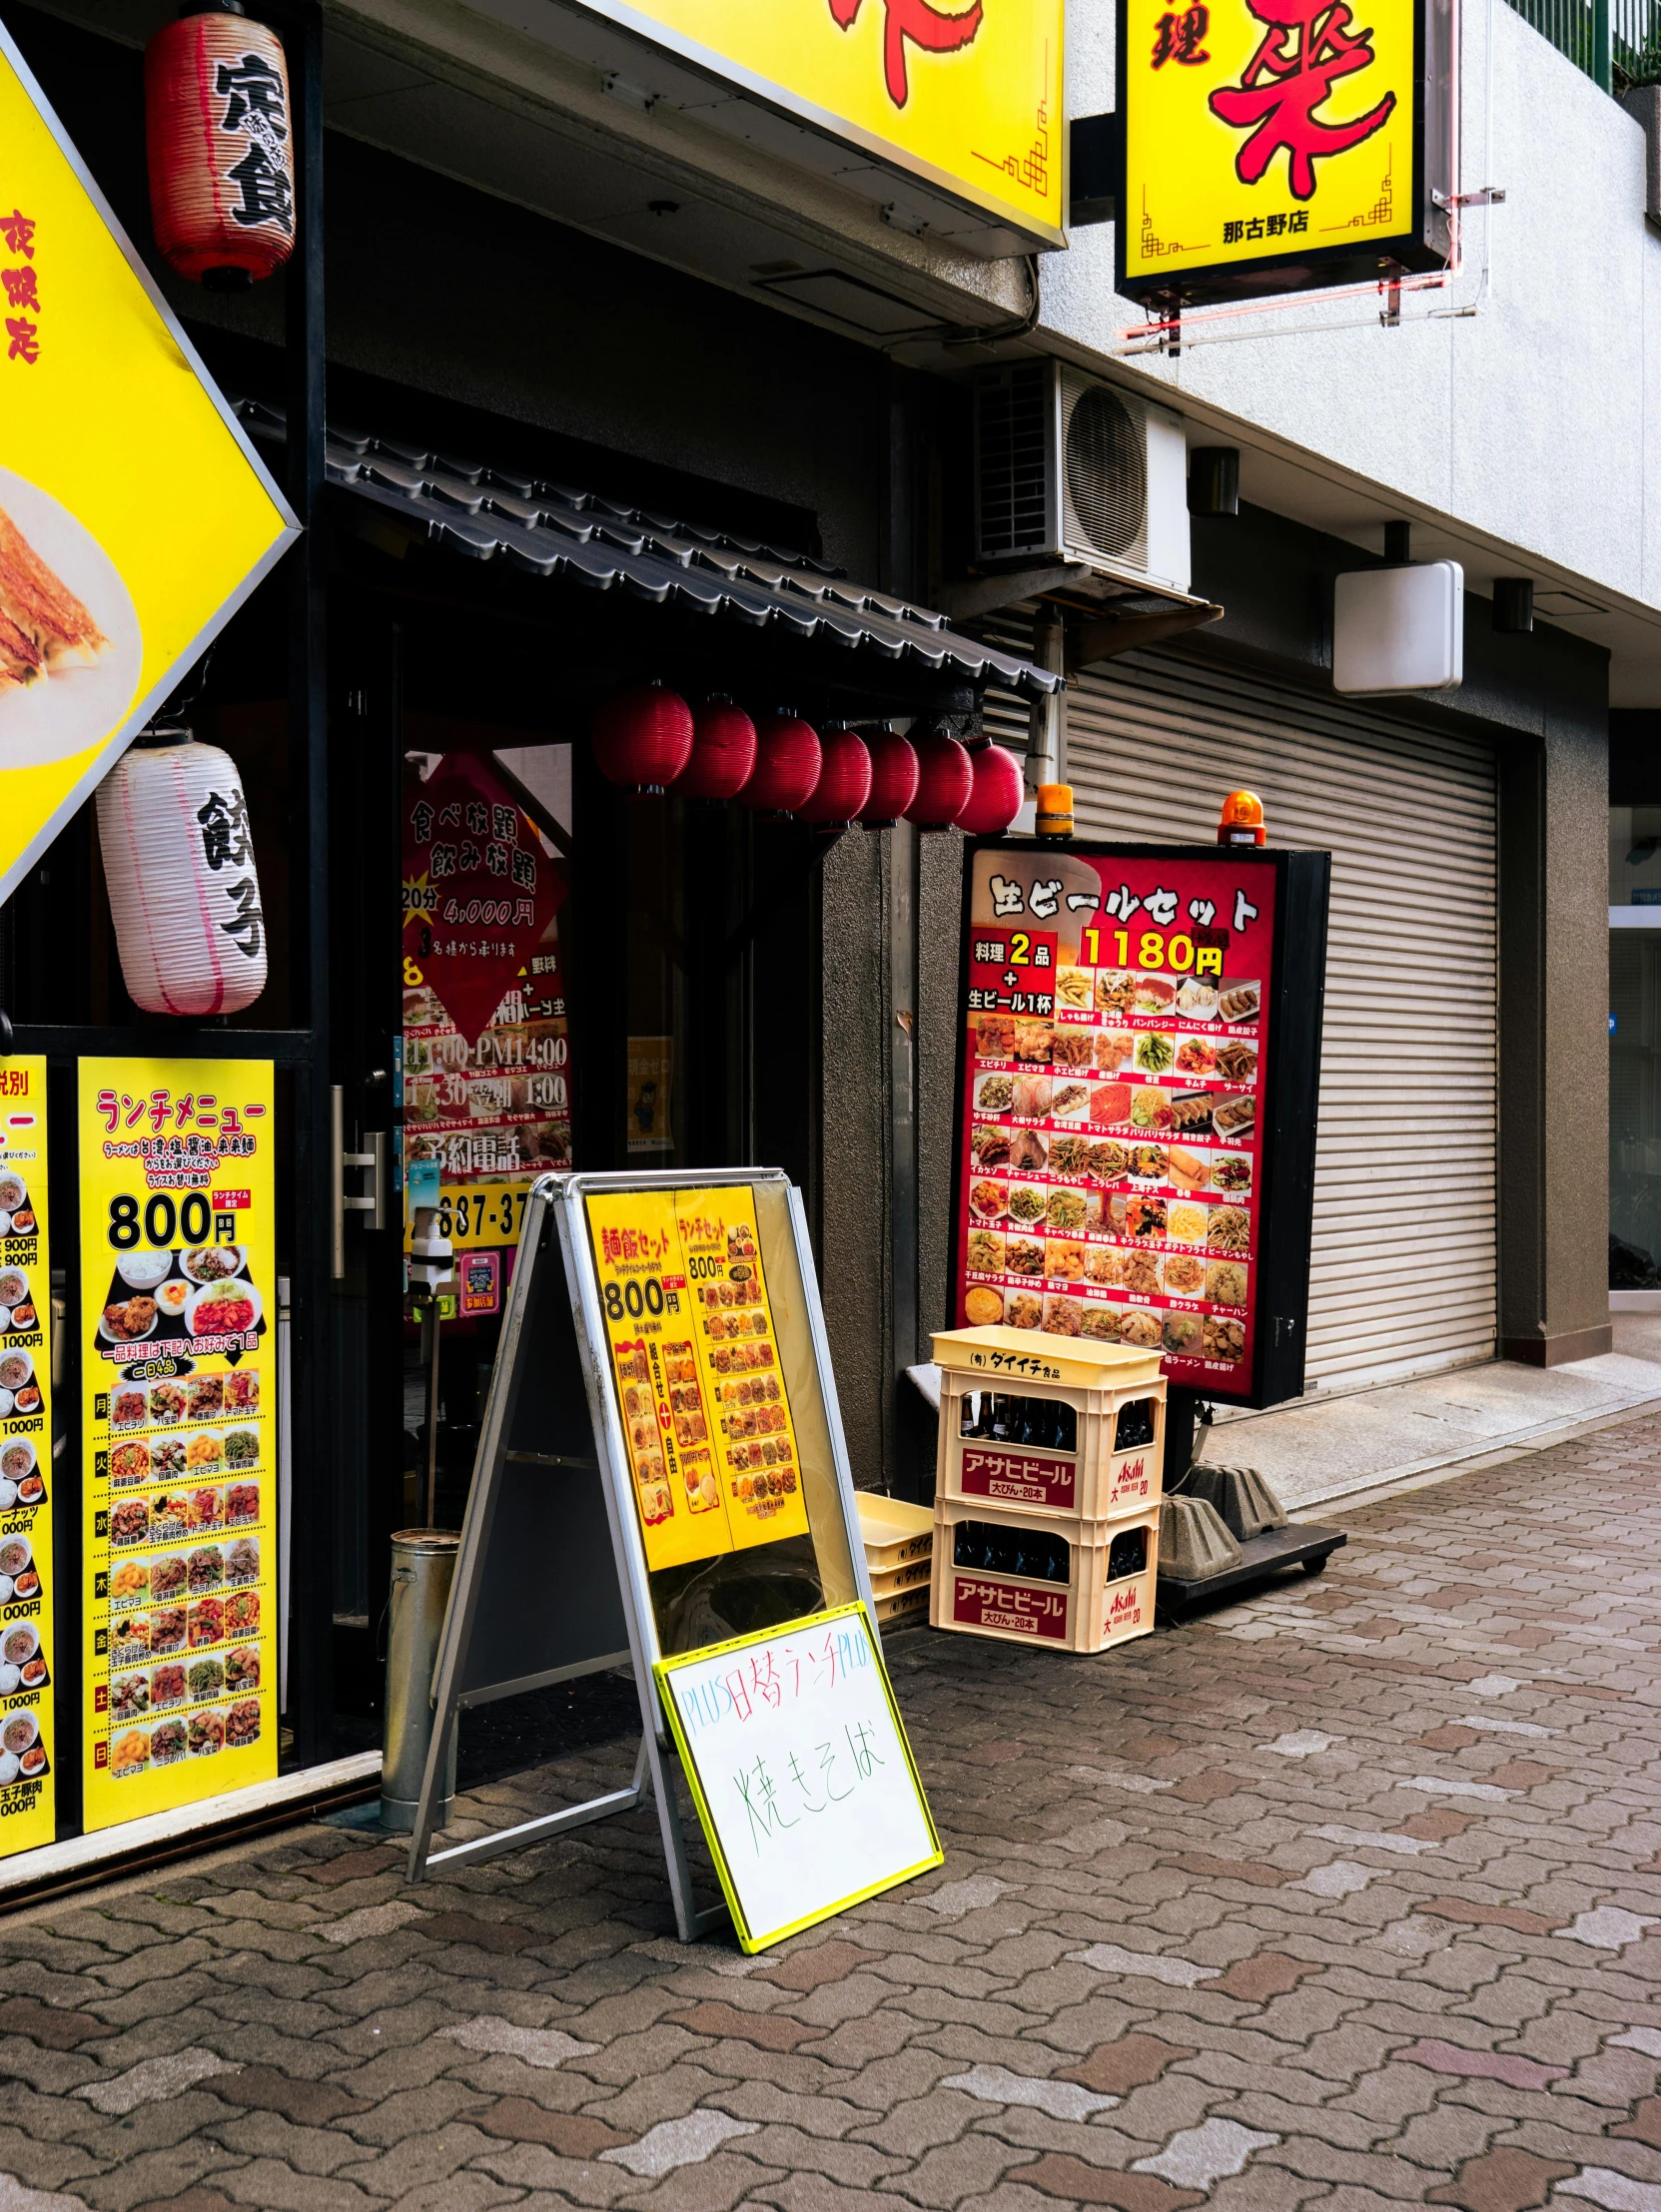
point(723, 752)
point(788, 759)
point(996, 794)
point(844, 782)
point(944, 782)
point(220, 143)
point(893, 780)
point(644, 737)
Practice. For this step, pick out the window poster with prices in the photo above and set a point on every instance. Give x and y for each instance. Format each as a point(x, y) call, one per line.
point(486, 1078)
point(179, 1367)
point(28, 1589)
point(1123, 1013)
point(694, 1358)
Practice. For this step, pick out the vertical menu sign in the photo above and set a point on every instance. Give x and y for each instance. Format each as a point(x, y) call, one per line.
point(1117, 1023)
point(27, 1810)
point(694, 1360)
point(179, 1361)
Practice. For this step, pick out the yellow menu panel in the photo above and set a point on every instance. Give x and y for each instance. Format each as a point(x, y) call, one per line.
point(179, 1361)
point(28, 1812)
point(694, 1360)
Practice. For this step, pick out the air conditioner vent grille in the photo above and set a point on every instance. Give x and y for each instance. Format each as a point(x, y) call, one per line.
point(1106, 475)
point(1013, 450)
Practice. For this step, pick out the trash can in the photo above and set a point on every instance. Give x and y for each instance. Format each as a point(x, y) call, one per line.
point(423, 1563)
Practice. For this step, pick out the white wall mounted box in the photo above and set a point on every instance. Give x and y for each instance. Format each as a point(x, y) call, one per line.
point(1399, 629)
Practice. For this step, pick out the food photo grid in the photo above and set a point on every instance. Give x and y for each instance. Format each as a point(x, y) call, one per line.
point(27, 1816)
point(184, 1524)
point(1110, 1175)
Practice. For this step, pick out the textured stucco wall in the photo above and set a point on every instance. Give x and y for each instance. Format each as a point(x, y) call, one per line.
point(1526, 419)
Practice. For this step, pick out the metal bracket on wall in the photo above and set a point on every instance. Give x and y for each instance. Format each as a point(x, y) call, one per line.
point(1128, 623)
point(1490, 196)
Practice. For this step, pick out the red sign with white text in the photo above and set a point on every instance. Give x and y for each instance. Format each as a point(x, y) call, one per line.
point(1118, 1041)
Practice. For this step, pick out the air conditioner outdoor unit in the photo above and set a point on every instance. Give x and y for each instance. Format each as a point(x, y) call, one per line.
point(1067, 469)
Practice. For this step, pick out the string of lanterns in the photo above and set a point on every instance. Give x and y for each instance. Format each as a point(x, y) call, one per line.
point(648, 740)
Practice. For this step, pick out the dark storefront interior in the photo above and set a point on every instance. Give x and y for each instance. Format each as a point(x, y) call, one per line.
point(699, 924)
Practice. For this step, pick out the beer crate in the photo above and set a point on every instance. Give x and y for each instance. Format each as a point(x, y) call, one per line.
point(1049, 1424)
point(997, 1573)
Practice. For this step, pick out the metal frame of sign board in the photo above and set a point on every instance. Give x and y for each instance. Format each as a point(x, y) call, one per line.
point(748, 1939)
point(563, 1196)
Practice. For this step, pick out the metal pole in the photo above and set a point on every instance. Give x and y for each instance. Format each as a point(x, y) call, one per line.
point(429, 1322)
point(1602, 54)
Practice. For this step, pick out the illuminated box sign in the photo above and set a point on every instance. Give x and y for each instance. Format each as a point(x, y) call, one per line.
point(1275, 144)
point(1137, 1067)
point(968, 98)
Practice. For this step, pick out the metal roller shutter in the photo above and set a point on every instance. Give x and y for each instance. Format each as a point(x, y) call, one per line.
point(1403, 1265)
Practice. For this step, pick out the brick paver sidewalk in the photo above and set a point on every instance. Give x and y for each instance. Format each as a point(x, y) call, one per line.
point(1342, 1898)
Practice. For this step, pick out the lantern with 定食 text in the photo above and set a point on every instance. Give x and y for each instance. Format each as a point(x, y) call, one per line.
point(220, 147)
point(178, 857)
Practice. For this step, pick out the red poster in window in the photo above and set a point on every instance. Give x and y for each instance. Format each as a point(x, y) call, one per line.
point(1121, 1031)
point(479, 891)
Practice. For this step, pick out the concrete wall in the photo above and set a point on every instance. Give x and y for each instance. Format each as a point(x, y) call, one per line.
point(1526, 419)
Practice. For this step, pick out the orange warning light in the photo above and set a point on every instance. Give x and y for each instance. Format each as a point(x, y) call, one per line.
point(1242, 820)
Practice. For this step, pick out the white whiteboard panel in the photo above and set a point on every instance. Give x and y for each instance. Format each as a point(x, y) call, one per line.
point(802, 1774)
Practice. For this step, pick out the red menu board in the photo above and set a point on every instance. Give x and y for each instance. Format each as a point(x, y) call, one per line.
point(1117, 1046)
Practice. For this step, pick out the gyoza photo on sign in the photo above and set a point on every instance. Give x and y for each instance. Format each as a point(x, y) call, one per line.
point(802, 1774)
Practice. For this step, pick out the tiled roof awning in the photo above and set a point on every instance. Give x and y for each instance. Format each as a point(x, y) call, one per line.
point(555, 531)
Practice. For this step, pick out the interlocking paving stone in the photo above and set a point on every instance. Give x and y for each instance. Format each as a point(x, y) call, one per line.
point(678, 2143)
point(1200, 2156)
point(153, 2078)
point(1169, 1961)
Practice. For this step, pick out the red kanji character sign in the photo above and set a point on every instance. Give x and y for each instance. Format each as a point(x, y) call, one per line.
point(928, 27)
point(1303, 53)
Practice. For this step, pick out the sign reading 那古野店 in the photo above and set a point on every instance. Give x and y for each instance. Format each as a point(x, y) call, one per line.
point(134, 516)
point(966, 94)
point(179, 1383)
point(1273, 145)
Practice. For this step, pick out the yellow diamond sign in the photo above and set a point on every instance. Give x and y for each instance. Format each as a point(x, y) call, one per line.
point(134, 514)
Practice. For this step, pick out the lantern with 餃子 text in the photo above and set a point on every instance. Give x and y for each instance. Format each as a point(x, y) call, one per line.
point(220, 146)
point(995, 791)
point(644, 737)
point(177, 856)
point(893, 779)
point(944, 782)
point(788, 759)
point(723, 752)
point(844, 782)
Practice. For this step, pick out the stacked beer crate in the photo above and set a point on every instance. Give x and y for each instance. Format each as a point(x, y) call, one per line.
point(1046, 1498)
point(898, 1538)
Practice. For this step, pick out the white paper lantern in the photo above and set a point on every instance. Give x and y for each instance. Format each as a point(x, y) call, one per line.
point(179, 861)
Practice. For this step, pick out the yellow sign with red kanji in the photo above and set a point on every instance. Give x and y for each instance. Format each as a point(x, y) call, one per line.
point(968, 97)
point(1271, 144)
point(695, 1361)
point(134, 515)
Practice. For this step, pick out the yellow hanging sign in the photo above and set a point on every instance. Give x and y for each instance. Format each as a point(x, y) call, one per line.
point(134, 514)
point(967, 97)
point(1273, 145)
point(178, 1327)
point(696, 1363)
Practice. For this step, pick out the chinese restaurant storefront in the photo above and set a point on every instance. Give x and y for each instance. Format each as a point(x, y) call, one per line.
point(484, 958)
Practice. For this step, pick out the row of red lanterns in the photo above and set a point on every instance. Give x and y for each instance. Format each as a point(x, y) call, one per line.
point(649, 740)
